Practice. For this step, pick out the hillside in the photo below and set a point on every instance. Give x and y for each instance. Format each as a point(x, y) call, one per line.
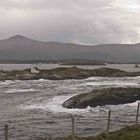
point(22, 48)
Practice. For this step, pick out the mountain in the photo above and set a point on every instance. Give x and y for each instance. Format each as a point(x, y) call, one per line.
point(22, 48)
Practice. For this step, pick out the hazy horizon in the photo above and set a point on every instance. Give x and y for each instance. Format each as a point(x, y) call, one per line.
point(51, 41)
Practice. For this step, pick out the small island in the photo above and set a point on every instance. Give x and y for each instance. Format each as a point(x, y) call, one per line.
point(62, 73)
point(102, 97)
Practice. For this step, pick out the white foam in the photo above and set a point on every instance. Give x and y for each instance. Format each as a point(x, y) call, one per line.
point(55, 105)
point(41, 80)
point(7, 82)
point(19, 90)
point(111, 83)
point(134, 104)
point(93, 78)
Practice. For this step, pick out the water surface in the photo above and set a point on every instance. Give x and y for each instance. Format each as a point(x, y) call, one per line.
point(33, 109)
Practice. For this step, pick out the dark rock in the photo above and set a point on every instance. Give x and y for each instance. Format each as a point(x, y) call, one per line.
point(111, 96)
point(63, 73)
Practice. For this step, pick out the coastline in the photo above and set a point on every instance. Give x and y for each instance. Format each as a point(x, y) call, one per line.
point(63, 73)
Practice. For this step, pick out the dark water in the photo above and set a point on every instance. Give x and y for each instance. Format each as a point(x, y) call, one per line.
point(33, 110)
point(126, 67)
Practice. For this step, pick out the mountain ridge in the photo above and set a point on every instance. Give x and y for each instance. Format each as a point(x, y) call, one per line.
point(20, 47)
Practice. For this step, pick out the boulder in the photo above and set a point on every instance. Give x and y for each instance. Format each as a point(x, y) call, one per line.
point(110, 96)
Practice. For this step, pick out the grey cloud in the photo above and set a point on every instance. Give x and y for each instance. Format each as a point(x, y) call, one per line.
point(78, 21)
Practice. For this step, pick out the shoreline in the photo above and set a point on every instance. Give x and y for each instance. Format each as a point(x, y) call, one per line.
point(63, 73)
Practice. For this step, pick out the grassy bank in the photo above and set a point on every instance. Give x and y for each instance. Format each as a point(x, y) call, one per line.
point(127, 133)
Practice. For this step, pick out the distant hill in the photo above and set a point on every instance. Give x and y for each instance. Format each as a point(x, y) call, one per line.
point(22, 48)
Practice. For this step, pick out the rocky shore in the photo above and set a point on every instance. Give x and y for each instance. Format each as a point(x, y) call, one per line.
point(63, 73)
point(110, 96)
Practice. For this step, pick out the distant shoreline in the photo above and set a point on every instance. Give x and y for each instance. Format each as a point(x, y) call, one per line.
point(61, 62)
point(63, 73)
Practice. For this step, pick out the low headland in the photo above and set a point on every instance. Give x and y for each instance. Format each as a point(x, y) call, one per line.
point(63, 73)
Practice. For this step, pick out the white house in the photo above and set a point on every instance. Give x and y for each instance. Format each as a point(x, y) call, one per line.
point(34, 70)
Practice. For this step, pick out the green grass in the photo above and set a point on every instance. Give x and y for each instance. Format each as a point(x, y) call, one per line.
point(127, 133)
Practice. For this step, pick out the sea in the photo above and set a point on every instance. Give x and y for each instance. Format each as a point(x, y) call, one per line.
point(33, 109)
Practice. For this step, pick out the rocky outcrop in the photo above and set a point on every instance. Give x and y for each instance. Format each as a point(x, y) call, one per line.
point(111, 96)
point(63, 73)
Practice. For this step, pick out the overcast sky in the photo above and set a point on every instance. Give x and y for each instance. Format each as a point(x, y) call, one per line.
point(77, 21)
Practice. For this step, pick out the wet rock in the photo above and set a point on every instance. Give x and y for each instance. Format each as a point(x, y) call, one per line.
point(110, 96)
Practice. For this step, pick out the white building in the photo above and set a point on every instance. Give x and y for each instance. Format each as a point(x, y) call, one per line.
point(34, 70)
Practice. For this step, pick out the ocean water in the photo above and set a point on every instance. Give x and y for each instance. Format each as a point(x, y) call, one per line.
point(33, 109)
point(126, 67)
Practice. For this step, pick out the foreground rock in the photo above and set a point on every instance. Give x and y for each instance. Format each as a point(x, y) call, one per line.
point(62, 73)
point(111, 96)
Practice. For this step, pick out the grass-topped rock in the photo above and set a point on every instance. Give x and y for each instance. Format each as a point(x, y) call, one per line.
point(110, 96)
point(63, 73)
